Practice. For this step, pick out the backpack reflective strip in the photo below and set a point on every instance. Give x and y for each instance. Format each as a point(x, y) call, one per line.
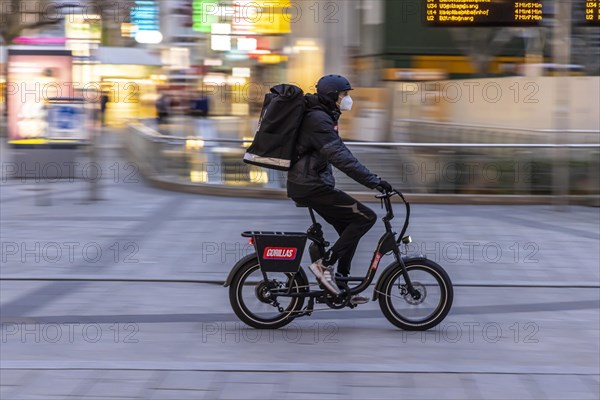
point(267, 160)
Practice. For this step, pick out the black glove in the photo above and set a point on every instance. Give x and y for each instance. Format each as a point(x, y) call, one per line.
point(384, 187)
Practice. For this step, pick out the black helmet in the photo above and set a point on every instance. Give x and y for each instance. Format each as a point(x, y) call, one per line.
point(333, 84)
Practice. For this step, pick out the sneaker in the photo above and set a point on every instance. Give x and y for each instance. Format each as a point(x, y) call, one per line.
point(325, 276)
point(358, 299)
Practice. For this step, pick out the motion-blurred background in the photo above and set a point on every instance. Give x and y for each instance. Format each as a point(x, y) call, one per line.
point(484, 113)
point(500, 72)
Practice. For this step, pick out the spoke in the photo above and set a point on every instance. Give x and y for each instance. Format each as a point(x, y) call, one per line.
point(408, 308)
point(255, 299)
point(389, 295)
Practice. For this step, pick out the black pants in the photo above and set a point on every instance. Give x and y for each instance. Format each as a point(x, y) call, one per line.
point(350, 218)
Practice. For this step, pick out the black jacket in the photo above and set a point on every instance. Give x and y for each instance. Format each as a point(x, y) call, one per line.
point(320, 146)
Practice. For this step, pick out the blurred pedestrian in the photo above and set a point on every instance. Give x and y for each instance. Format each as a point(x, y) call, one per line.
point(200, 105)
point(104, 99)
point(163, 105)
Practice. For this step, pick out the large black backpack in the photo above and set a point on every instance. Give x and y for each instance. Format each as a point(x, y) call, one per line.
point(274, 144)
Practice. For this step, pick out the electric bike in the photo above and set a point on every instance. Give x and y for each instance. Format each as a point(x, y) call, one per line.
point(268, 288)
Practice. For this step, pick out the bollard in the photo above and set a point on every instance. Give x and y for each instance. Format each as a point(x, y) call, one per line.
point(94, 189)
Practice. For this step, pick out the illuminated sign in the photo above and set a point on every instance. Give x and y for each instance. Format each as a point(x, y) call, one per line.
point(271, 58)
point(483, 12)
point(65, 120)
point(592, 13)
point(247, 44)
point(35, 76)
point(78, 26)
point(204, 14)
point(274, 16)
point(240, 72)
point(145, 14)
point(220, 42)
point(246, 16)
point(32, 40)
point(149, 37)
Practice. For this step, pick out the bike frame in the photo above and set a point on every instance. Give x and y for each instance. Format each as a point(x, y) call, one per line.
point(387, 243)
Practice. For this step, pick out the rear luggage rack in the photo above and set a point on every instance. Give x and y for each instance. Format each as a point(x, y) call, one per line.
point(269, 233)
point(278, 251)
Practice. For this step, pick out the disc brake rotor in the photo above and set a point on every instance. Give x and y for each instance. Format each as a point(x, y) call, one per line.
point(414, 300)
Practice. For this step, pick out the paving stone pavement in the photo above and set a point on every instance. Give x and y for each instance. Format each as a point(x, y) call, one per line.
point(121, 299)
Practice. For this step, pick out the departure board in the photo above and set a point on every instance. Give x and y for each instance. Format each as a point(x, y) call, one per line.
point(592, 13)
point(483, 12)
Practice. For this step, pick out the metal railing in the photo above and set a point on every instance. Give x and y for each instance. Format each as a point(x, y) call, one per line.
point(420, 131)
point(565, 172)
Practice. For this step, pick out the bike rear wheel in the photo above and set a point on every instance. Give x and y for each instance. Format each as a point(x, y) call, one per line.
point(428, 308)
point(251, 300)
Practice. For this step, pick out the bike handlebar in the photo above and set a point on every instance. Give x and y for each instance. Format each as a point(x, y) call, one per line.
point(385, 198)
point(383, 195)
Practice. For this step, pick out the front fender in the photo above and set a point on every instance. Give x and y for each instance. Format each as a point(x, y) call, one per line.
point(389, 270)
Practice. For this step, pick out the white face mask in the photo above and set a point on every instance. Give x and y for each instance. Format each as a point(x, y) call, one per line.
point(346, 103)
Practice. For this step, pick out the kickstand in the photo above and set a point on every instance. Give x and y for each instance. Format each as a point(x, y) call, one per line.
point(310, 307)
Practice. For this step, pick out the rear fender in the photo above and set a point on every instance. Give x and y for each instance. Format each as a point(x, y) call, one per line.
point(238, 265)
point(389, 270)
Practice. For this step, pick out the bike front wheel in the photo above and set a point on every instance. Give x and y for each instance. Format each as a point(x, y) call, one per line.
point(421, 310)
point(251, 296)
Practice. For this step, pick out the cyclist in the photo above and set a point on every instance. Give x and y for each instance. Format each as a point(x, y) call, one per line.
point(311, 183)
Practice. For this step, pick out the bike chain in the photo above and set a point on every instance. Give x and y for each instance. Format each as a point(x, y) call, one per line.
point(306, 312)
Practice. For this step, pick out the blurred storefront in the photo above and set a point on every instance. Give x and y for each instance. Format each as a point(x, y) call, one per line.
point(235, 50)
point(129, 76)
point(82, 37)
